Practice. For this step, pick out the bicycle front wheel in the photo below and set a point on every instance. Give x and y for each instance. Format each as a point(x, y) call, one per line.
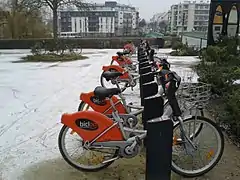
point(184, 159)
point(110, 84)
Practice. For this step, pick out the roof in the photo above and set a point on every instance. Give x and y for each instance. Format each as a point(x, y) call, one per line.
point(154, 35)
point(200, 35)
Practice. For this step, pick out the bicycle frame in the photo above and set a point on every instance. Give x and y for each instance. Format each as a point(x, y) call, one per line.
point(141, 134)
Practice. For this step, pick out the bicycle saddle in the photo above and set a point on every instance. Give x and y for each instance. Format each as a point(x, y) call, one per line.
point(111, 75)
point(123, 53)
point(102, 92)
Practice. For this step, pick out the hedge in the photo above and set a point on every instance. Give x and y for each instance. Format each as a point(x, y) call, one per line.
point(83, 42)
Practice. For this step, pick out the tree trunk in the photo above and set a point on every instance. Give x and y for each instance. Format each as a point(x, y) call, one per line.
point(55, 23)
point(13, 25)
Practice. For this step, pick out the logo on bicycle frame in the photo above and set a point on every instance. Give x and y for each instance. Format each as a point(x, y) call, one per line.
point(97, 101)
point(86, 124)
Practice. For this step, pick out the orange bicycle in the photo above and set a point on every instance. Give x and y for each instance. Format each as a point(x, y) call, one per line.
point(101, 140)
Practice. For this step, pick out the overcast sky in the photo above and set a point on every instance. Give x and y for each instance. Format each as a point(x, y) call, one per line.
point(148, 7)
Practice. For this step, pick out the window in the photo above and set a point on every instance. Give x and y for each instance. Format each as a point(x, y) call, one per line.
point(75, 25)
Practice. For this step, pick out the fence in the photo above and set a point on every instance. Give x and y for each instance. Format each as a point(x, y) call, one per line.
point(196, 42)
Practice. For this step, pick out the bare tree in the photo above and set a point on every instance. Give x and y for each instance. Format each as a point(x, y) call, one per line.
point(11, 9)
point(55, 4)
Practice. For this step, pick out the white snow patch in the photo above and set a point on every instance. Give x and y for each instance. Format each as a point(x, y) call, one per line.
point(33, 98)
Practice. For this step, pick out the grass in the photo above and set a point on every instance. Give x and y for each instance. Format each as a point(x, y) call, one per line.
point(51, 57)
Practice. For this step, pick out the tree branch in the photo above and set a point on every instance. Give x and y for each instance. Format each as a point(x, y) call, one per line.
point(49, 3)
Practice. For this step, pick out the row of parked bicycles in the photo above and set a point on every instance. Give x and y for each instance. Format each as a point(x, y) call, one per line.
point(107, 127)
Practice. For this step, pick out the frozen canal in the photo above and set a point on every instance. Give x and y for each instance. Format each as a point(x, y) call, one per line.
point(33, 97)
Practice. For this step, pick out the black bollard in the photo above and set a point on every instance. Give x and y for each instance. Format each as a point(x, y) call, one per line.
point(141, 55)
point(148, 77)
point(152, 109)
point(144, 78)
point(153, 106)
point(143, 60)
point(144, 70)
point(148, 89)
point(159, 149)
point(143, 64)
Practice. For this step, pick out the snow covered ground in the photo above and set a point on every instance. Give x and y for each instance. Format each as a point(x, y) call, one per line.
point(34, 95)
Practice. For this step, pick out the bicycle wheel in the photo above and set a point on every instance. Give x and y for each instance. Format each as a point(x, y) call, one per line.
point(111, 84)
point(168, 112)
point(83, 106)
point(92, 159)
point(204, 156)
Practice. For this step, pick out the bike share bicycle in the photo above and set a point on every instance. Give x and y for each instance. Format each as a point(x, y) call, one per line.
point(194, 103)
point(101, 134)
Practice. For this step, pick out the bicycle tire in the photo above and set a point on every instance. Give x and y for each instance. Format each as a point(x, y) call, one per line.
point(65, 157)
point(218, 130)
point(102, 83)
point(81, 106)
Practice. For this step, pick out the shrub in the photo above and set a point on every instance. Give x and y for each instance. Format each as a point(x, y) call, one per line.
point(183, 50)
point(50, 51)
point(177, 45)
point(220, 67)
point(51, 57)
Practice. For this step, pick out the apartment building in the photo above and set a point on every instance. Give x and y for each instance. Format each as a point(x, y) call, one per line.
point(189, 16)
point(159, 17)
point(107, 19)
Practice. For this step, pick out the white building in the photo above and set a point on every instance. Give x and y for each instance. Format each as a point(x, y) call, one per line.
point(189, 16)
point(108, 19)
point(159, 17)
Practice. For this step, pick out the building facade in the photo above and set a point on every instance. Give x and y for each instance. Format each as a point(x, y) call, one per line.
point(108, 19)
point(159, 17)
point(189, 16)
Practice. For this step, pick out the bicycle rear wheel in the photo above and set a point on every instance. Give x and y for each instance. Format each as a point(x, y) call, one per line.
point(214, 155)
